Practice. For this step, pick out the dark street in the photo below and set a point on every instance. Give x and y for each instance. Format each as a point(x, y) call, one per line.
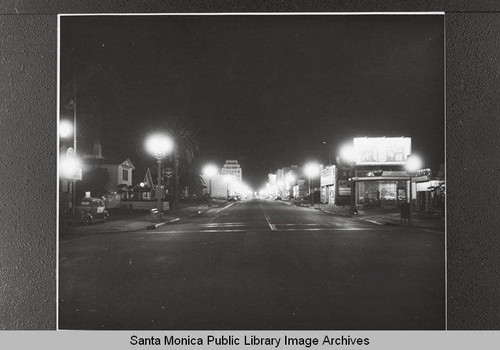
point(255, 264)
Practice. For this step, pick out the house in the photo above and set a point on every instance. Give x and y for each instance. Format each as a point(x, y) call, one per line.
point(106, 175)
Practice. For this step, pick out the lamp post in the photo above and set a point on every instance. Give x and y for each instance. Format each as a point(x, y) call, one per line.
point(311, 170)
point(347, 155)
point(70, 166)
point(159, 146)
point(69, 163)
point(413, 164)
point(228, 179)
point(209, 171)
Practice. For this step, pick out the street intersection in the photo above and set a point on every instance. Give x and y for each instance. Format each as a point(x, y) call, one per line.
point(255, 265)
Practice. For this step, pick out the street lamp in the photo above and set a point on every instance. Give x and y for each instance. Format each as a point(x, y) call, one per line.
point(70, 169)
point(159, 146)
point(348, 156)
point(228, 179)
point(210, 171)
point(70, 165)
point(413, 164)
point(311, 170)
point(65, 129)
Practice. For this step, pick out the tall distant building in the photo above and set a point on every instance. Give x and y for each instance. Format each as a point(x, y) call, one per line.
point(232, 167)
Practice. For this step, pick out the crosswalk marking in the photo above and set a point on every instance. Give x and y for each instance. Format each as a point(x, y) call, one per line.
point(265, 230)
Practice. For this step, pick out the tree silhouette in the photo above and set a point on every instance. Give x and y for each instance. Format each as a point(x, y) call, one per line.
point(185, 151)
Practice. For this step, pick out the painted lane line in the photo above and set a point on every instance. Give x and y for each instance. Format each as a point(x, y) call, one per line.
point(227, 206)
point(233, 223)
point(233, 226)
point(273, 228)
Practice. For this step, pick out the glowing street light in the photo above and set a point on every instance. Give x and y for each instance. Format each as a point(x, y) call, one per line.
point(210, 171)
point(412, 166)
point(311, 170)
point(65, 129)
point(347, 154)
point(69, 166)
point(159, 146)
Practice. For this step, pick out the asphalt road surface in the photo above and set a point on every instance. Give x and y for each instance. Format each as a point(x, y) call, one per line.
point(256, 265)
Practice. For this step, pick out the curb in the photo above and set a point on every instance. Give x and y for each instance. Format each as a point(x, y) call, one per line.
point(333, 213)
point(155, 226)
point(388, 223)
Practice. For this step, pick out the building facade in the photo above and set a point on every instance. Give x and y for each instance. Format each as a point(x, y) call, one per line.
point(327, 183)
point(380, 178)
point(117, 174)
point(232, 167)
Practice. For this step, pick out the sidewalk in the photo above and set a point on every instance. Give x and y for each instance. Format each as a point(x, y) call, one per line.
point(128, 221)
point(387, 216)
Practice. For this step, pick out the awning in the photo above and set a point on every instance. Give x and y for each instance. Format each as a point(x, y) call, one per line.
point(381, 178)
point(392, 178)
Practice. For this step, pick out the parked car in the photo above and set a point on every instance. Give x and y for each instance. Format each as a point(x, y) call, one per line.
point(90, 210)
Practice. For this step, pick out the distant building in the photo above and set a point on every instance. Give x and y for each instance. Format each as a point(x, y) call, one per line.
point(232, 167)
point(286, 178)
point(271, 179)
point(300, 190)
point(216, 185)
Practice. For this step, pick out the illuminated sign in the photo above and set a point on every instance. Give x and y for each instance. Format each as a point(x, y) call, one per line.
point(344, 188)
point(328, 176)
point(382, 150)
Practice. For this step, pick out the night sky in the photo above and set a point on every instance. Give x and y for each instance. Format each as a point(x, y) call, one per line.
point(269, 91)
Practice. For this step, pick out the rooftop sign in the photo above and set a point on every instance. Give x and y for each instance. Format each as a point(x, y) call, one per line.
point(381, 150)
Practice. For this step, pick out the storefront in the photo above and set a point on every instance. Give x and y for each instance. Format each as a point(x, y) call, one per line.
point(429, 192)
point(389, 188)
point(380, 178)
point(328, 185)
point(343, 186)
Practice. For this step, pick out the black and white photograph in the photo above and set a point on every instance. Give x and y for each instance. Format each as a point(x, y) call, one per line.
point(251, 172)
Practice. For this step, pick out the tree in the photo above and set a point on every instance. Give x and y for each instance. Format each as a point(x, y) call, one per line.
point(95, 181)
point(185, 151)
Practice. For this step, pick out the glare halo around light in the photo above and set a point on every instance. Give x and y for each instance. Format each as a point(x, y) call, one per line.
point(159, 145)
point(65, 129)
point(210, 170)
point(311, 169)
point(413, 163)
point(347, 153)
